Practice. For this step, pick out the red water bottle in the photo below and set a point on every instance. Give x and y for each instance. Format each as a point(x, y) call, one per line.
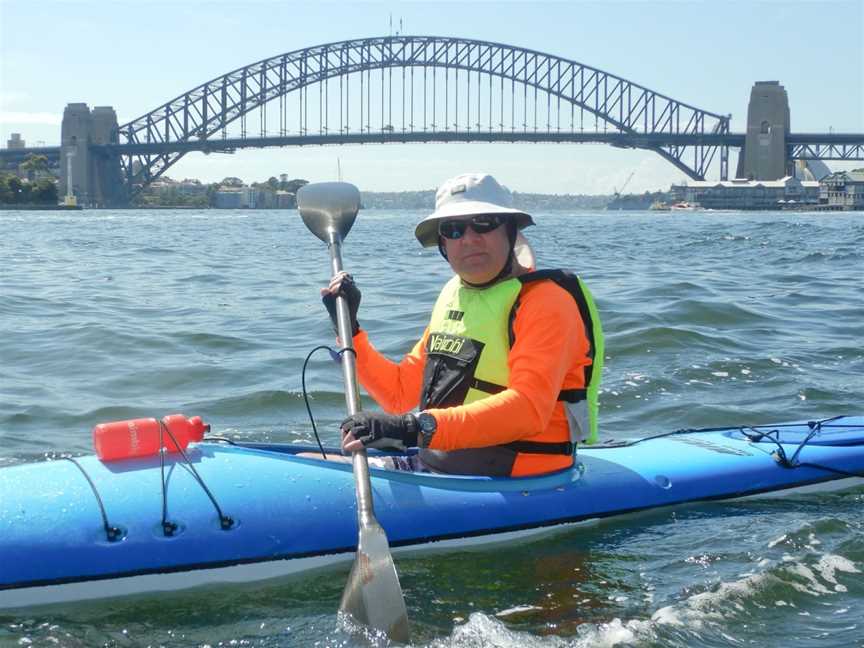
point(140, 437)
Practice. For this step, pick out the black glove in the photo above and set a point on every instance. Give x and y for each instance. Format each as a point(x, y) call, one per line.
point(349, 290)
point(383, 431)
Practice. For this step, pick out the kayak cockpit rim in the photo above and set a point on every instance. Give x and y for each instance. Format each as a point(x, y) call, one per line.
point(551, 480)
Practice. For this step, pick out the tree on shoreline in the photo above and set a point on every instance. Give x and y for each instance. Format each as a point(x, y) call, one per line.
point(34, 165)
point(15, 191)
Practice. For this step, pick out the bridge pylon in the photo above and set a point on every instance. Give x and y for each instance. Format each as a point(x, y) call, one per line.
point(765, 155)
point(93, 174)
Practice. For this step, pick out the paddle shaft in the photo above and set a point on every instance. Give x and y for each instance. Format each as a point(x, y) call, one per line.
point(372, 595)
point(365, 511)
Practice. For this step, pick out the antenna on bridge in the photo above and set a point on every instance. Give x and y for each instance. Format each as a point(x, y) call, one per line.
point(391, 24)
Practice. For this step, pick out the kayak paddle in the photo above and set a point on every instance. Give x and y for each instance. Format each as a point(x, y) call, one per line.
point(372, 594)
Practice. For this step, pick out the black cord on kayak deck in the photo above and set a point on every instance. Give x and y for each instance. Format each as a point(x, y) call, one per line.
point(756, 433)
point(774, 428)
point(337, 357)
point(779, 454)
point(220, 439)
point(169, 528)
point(112, 533)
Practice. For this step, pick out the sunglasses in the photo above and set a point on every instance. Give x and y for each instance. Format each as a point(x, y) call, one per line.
point(483, 224)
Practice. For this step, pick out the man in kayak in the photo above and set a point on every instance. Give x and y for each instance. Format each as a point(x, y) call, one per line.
point(507, 372)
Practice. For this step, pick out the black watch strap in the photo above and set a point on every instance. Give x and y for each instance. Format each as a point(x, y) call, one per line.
point(428, 426)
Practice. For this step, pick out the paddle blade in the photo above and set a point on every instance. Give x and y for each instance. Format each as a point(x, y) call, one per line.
point(328, 207)
point(373, 596)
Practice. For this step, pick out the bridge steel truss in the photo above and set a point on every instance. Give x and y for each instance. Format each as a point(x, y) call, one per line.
point(833, 146)
point(631, 115)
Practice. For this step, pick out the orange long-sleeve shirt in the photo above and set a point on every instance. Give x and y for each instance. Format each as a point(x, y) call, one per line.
point(549, 353)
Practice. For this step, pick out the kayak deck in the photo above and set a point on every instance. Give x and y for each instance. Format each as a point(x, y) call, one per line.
point(291, 513)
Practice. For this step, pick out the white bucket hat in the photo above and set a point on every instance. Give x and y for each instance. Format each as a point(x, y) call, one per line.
point(469, 194)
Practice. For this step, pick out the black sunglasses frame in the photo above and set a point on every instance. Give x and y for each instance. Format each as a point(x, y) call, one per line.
point(455, 229)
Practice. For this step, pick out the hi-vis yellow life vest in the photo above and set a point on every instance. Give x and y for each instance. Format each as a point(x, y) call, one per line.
point(470, 336)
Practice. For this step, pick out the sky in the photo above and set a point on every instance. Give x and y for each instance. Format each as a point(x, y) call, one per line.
point(136, 55)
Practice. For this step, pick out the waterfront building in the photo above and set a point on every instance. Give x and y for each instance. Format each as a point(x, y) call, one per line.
point(189, 187)
point(786, 193)
point(15, 142)
point(166, 185)
point(247, 197)
point(264, 198)
point(286, 200)
point(232, 198)
point(842, 191)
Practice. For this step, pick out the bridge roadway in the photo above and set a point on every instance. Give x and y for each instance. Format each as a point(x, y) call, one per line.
point(825, 146)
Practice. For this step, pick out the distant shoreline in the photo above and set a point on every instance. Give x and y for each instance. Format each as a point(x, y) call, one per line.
point(32, 207)
point(4, 208)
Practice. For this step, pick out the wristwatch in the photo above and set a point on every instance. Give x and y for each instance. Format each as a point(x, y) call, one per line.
point(428, 425)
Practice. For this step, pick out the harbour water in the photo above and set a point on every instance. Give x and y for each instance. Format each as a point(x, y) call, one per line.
point(710, 319)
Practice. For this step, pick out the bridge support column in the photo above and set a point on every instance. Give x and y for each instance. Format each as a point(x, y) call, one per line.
point(765, 156)
point(94, 179)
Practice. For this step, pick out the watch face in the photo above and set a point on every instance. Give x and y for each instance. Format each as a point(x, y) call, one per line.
point(427, 422)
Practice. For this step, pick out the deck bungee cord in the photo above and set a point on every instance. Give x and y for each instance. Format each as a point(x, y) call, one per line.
point(756, 434)
point(779, 454)
point(729, 428)
point(169, 528)
point(112, 533)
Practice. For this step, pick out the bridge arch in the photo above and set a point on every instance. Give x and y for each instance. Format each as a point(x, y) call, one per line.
point(629, 109)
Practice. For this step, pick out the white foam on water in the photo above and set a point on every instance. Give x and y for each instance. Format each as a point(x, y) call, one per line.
point(517, 610)
point(777, 541)
point(813, 585)
point(615, 633)
point(709, 607)
point(483, 631)
point(698, 611)
point(830, 564)
point(708, 610)
point(730, 638)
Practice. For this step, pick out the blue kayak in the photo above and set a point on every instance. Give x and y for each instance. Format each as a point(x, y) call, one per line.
point(80, 529)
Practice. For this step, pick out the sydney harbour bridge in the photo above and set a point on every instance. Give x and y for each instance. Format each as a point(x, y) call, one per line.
point(421, 89)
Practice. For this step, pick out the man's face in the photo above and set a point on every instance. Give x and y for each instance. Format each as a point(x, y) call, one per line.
point(478, 258)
